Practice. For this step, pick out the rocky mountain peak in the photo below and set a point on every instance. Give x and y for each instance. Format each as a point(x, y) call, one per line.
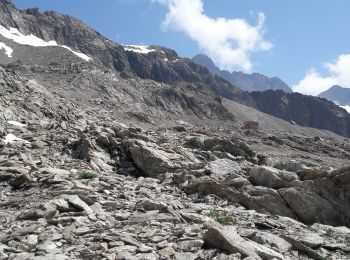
point(337, 94)
point(247, 82)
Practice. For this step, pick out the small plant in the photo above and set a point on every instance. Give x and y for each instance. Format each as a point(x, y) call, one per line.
point(221, 217)
point(144, 223)
point(187, 206)
point(257, 216)
point(87, 175)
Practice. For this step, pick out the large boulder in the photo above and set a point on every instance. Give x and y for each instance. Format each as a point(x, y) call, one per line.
point(223, 167)
point(227, 239)
point(310, 207)
point(271, 178)
point(151, 159)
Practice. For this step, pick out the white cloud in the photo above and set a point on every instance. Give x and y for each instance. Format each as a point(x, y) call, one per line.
point(229, 42)
point(338, 74)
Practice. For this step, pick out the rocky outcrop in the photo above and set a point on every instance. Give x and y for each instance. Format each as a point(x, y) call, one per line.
point(322, 199)
point(304, 110)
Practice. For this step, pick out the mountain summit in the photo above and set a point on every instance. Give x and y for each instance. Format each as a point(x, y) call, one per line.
point(247, 82)
point(338, 95)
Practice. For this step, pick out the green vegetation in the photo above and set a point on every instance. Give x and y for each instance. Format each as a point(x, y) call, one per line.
point(221, 217)
point(144, 223)
point(187, 206)
point(87, 175)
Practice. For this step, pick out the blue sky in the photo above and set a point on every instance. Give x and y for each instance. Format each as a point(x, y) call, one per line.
point(301, 37)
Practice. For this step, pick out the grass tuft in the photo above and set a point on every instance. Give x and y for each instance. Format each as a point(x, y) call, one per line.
point(87, 175)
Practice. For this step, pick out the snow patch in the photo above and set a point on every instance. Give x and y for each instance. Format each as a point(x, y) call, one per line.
point(138, 48)
point(347, 108)
point(8, 50)
point(32, 40)
point(16, 123)
point(10, 138)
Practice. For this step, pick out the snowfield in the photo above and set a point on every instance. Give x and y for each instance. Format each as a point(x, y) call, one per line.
point(8, 50)
point(15, 123)
point(31, 40)
point(10, 138)
point(347, 108)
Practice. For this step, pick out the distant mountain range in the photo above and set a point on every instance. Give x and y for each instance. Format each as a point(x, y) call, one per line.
point(247, 82)
point(337, 94)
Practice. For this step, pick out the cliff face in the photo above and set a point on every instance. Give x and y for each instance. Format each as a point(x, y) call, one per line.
point(304, 110)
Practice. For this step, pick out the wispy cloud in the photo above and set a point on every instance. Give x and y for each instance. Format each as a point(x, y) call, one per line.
point(338, 74)
point(229, 42)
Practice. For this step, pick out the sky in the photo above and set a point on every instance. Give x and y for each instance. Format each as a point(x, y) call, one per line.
point(305, 43)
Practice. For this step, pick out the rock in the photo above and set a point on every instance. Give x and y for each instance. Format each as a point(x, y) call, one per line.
point(309, 206)
point(20, 180)
point(298, 246)
point(265, 200)
point(266, 253)
point(232, 146)
point(341, 177)
point(313, 173)
point(273, 241)
point(337, 246)
point(227, 239)
point(185, 256)
point(75, 201)
point(31, 241)
point(50, 256)
point(311, 240)
point(292, 166)
point(151, 160)
point(31, 214)
point(223, 167)
point(148, 205)
point(48, 247)
point(167, 252)
point(236, 182)
point(271, 178)
point(190, 245)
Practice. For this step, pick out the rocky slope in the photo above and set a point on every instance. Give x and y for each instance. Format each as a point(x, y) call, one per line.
point(157, 63)
point(246, 82)
point(101, 164)
point(77, 185)
point(338, 95)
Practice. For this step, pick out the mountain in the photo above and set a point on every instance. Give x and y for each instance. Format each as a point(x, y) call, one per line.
point(247, 82)
point(302, 109)
point(131, 152)
point(338, 95)
point(76, 42)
